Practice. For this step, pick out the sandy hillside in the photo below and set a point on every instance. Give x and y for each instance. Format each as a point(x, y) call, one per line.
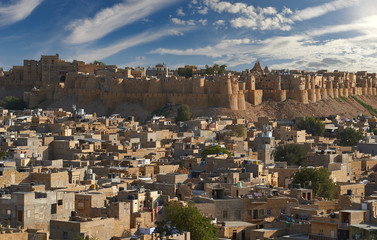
point(288, 109)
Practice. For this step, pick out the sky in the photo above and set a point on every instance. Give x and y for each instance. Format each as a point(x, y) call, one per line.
point(282, 34)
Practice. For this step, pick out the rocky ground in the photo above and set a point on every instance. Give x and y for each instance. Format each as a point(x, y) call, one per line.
point(289, 109)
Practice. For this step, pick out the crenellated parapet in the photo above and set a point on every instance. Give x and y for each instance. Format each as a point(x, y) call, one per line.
point(55, 79)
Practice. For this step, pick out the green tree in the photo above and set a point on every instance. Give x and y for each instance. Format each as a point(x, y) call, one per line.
point(237, 131)
point(13, 103)
point(350, 137)
point(3, 154)
point(293, 154)
point(222, 69)
point(163, 228)
point(318, 179)
point(98, 63)
point(215, 149)
point(188, 218)
point(209, 70)
point(185, 72)
point(312, 125)
point(183, 113)
point(215, 69)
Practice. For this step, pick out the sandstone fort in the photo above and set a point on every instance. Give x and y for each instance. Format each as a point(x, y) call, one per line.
point(51, 79)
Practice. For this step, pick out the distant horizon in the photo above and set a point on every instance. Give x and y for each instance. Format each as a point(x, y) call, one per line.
point(289, 34)
point(146, 66)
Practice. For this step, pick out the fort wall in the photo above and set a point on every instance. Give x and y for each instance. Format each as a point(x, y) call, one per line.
point(55, 79)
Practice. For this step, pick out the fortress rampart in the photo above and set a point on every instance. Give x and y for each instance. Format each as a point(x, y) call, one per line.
point(52, 79)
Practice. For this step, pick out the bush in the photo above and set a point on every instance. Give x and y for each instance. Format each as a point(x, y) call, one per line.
point(368, 107)
point(183, 113)
point(312, 126)
point(13, 103)
point(293, 154)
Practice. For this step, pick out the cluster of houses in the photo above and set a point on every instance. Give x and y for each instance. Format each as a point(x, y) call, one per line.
point(71, 175)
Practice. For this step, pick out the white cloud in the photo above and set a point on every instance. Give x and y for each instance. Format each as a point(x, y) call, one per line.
point(317, 11)
point(203, 10)
point(366, 24)
point(307, 50)
point(253, 17)
point(183, 22)
point(110, 19)
point(138, 61)
point(225, 47)
point(190, 22)
point(219, 23)
point(146, 37)
point(180, 12)
point(269, 18)
point(18, 11)
point(203, 21)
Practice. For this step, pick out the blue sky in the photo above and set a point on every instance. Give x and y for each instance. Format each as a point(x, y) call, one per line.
point(291, 34)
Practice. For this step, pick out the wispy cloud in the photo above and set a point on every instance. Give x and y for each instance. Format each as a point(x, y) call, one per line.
point(307, 50)
point(183, 22)
point(225, 47)
point(146, 37)
point(110, 19)
point(180, 12)
point(320, 10)
point(190, 22)
point(137, 62)
point(18, 11)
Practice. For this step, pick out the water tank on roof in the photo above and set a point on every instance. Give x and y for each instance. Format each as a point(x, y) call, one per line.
point(239, 184)
point(349, 191)
point(90, 171)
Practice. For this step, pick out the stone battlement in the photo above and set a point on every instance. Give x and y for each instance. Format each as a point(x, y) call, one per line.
point(52, 79)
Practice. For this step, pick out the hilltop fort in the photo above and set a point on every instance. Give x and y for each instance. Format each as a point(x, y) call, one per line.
point(51, 79)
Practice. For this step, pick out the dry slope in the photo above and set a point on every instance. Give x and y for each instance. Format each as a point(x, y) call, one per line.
point(347, 107)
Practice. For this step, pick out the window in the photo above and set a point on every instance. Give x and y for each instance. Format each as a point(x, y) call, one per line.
point(60, 202)
point(225, 214)
point(248, 212)
point(53, 208)
point(268, 212)
point(282, 210)
point(65, 235)
point(261, 212)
